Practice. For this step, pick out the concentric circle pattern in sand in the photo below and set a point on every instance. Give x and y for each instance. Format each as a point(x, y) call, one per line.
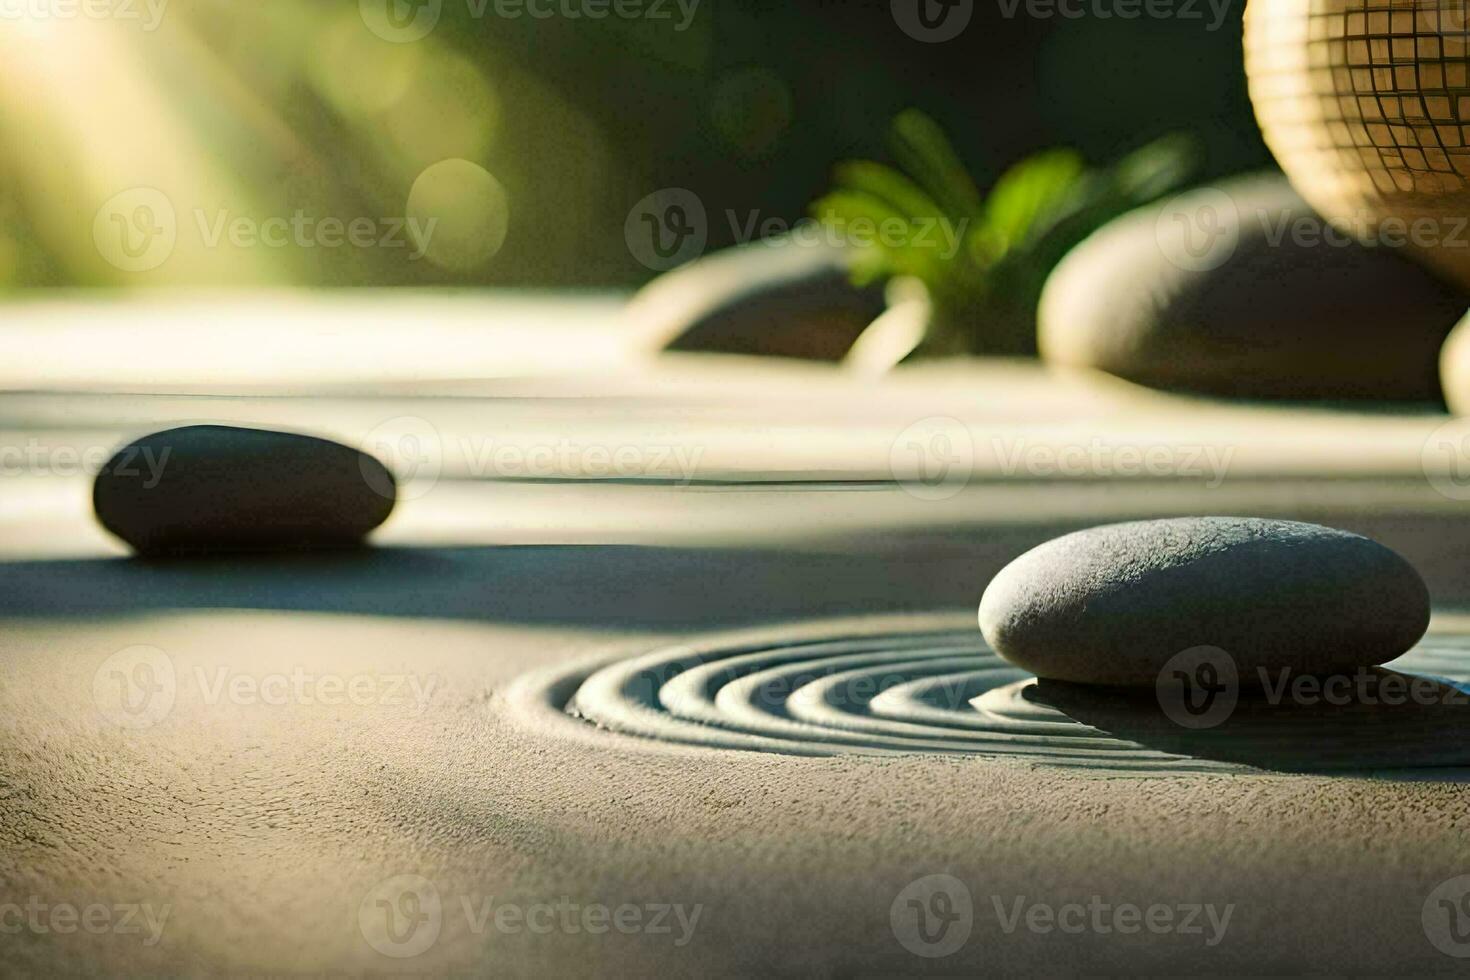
point(944, 691)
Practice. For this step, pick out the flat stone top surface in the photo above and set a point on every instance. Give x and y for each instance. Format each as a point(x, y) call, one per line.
point(268, 819)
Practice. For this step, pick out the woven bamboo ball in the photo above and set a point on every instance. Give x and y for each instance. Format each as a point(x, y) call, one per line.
point(1366, 104)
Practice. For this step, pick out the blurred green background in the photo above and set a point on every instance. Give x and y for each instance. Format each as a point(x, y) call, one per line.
point(238, 113)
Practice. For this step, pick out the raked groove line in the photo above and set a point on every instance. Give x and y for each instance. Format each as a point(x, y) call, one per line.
point(870, 687)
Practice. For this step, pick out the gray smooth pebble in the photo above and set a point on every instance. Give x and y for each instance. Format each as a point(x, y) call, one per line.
point(1284, 315)
point(1112, 604)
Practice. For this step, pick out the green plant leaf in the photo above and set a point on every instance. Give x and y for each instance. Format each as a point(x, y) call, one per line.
point(984, 297)
point(1101, 196)
point(886, 184)
point(1030, 193)
point(926, 154)
point(1156, 168)
point(857, 215)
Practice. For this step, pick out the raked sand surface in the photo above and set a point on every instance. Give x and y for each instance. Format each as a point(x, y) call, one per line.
point(252, 755)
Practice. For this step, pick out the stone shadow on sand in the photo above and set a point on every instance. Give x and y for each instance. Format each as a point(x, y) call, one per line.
point(1377, 719)
point(609, 587)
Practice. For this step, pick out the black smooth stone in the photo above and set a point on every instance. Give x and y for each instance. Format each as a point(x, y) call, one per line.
point(208, 489)
point(775, 298)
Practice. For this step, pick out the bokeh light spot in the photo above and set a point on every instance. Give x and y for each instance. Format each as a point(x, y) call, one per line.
point(459, 215)
point(361, 74)
point(450, 111)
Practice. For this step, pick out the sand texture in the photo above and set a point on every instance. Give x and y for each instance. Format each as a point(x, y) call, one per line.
point(271, 810)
